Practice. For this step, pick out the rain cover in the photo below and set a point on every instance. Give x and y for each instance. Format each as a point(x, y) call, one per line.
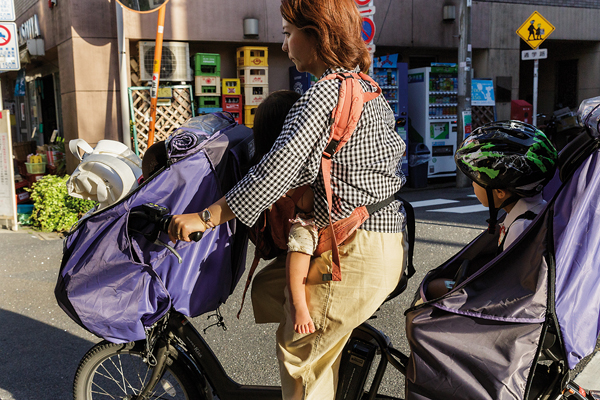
point(480, 340)
point(101, 285)
point(577, 244)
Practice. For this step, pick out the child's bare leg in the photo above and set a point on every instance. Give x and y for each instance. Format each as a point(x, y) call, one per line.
point(297, 265)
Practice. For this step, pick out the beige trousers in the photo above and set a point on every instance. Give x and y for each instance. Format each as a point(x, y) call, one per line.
point(371, 265)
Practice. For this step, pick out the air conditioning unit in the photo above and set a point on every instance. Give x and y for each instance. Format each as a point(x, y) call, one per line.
point(174, 64)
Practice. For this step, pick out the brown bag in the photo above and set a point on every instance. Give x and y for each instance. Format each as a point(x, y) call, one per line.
point(270, 232)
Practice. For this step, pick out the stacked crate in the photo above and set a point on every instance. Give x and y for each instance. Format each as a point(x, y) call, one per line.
point(207, 71)
point(253, 73)
point(231, 99)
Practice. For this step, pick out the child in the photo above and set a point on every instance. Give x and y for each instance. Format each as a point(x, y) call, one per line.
point(509, 163)
point(302, 241)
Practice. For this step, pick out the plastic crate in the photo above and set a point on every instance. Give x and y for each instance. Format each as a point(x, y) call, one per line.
point(232, 102)
point(254, 94)
point(207, 86)
point(249, 112)
point(250, 56)
point(231, 86)
point(36, 168)
point(253, 75)
point(207, 64)
point(208, 101)
point(237, 116)
point(208, 110)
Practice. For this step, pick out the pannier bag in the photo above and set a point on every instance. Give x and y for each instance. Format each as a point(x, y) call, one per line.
point(116, 284)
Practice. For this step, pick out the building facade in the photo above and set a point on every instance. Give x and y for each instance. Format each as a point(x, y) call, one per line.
point(69, 78)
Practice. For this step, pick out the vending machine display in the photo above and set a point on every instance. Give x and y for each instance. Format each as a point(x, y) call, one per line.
point(392, 77)
point(432, 106)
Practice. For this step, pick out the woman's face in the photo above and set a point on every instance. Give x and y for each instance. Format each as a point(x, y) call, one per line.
point(302, 50)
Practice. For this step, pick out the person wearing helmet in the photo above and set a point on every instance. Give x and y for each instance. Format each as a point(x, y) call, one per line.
point(509, 163)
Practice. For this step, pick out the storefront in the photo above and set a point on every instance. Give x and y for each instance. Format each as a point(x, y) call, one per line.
point(32, 94)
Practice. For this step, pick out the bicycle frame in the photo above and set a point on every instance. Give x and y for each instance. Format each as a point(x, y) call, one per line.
point(196, 348)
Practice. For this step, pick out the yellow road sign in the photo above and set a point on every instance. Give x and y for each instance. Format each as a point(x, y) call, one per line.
point(535, 30)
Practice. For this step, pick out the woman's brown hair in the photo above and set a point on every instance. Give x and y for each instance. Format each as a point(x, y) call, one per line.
point(336, 24)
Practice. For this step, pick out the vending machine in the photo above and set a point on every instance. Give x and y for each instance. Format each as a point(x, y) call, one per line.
point(392, 77)
point(432, 106)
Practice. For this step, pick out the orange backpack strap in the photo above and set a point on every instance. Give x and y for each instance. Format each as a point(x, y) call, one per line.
point(344, 119)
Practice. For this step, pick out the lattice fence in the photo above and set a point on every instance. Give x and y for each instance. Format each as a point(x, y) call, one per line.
point(481, 115)
point(168, 117)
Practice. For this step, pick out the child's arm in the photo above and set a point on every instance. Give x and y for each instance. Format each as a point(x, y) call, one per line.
point(297, 265)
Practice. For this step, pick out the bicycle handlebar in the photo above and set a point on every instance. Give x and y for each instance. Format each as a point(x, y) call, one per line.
point(163, 225)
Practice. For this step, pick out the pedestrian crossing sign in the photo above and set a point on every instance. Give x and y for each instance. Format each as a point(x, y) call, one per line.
point(535, 30)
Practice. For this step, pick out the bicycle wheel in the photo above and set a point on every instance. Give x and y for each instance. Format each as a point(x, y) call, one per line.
point(117, 371)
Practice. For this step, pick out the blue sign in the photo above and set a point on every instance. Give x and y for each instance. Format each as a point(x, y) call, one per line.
point(482, 93)
point(387, 61)
point(368, 30)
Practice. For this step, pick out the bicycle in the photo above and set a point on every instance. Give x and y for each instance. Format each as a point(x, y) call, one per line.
point(175, 362)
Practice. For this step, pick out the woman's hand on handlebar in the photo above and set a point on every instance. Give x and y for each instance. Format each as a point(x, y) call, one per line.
point(182, 226)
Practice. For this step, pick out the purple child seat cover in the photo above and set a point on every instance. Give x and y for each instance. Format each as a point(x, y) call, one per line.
point(116, 285)
point(481, 339)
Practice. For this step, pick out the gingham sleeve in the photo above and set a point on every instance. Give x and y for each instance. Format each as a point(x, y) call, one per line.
point(294, 159)
point(367, 169)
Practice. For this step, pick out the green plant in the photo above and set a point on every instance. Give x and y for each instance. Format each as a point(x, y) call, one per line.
point(53, 208)
point(61, 166)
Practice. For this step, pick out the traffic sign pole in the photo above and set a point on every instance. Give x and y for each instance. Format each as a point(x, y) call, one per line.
point(536, 64)
point(534, 31)
point(156, 73)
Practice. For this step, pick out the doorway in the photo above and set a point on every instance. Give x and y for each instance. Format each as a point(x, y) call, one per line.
point(565, 94)
point(48, 123)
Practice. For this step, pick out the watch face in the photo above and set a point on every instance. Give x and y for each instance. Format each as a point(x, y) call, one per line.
point(205, 215)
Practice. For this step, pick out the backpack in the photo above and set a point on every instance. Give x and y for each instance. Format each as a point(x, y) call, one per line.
point(116, 282)
point(269, 234)
point(106, 173)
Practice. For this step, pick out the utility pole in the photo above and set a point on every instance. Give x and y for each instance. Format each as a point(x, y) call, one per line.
point(464, 81)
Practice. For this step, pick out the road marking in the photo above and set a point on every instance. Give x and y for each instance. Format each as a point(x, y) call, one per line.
point(462, 210)
point(588, 378)
point(433, 202)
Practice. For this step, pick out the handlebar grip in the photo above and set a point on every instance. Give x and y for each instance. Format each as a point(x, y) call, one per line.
point(164, 227)
point(196, 236)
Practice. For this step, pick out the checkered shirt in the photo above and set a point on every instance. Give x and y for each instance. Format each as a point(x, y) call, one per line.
point(367, 169)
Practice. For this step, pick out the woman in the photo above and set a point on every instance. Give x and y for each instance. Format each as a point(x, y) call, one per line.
point(322, 37)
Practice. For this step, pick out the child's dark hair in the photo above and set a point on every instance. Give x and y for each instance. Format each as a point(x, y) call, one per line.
point(154, 159)
point(269, 118)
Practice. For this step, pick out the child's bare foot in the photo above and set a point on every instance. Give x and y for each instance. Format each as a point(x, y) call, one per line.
point(303, 323)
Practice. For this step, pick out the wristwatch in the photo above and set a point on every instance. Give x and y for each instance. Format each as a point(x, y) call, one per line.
point(205, 216)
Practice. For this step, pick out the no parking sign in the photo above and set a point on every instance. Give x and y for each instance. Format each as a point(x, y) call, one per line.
point(367, 10)
point(9, 49)
point(368, 29)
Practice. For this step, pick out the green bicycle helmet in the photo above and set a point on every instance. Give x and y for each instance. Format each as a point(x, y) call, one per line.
point(510, 155)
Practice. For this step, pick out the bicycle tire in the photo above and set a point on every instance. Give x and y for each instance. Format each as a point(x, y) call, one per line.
point(118, 370)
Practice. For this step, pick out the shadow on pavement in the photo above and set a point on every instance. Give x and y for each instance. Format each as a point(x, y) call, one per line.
point(37, 361)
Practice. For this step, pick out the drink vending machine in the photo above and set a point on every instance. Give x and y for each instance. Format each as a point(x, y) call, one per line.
point(432, 105)
point(392, 77)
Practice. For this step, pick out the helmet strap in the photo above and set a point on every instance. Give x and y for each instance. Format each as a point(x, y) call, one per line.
point(493, 211)
point(492, 222)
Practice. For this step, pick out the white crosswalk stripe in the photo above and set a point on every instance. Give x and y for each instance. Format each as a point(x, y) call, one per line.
point(462, 209)
point(432, 202)
point(454, 210)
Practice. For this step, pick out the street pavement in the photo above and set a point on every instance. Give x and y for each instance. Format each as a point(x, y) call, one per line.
point(40, 347)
